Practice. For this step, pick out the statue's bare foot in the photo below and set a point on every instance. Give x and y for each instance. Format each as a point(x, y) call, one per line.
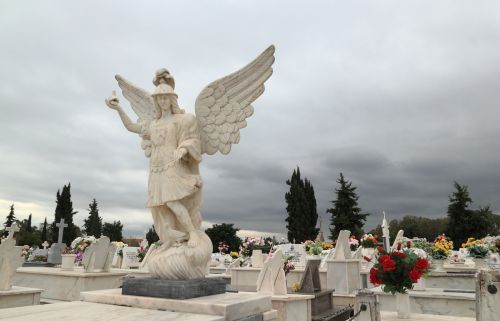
point(194, 239)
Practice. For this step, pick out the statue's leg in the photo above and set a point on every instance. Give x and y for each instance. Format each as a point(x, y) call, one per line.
point(184, 219)
point(163, 221)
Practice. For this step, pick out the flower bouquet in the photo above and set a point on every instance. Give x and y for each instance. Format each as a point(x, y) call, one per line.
point(369, 241)
point(442, 248)
point(353, 243)
point(476, 248)
point(398, 270)
point(26, 252)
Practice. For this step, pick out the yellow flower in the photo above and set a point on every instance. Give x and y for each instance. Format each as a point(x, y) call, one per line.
point(295, 287)
point(234, 254)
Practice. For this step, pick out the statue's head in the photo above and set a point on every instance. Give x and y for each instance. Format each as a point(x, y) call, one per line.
point(165, 99)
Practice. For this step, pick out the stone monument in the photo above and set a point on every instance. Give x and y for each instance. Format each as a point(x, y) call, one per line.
point(10, 259)
point(271, 278)
point(175, 142)
point(99, 255)
point(54, 255)
point(487, 295)
point(343, 271)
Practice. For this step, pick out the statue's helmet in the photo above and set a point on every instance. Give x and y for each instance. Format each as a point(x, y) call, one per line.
point(164, 89)
point(162, 75)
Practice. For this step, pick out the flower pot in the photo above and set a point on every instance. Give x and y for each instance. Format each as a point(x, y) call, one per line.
point(403, 305)
point(257, 259)
point(68, 262)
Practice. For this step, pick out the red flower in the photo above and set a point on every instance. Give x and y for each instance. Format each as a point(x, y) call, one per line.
point(399, 246)
point(380, 248)
point(384, 258)
point(367, 259)
point(389, 265)
point(421, 264)
point(374, 277)
point(414, 275)
point(408, 244)
point(399, 254)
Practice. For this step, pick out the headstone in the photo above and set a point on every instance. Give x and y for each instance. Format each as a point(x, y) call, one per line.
point(98, 256)
point(10, 259)
point(487, 295)
point(385, 234)
point(342, 271)
point(54, 254)
point(271, 278)
point(40, 252)
point(130, 259)
point(298, 253)
point(235, 264)
point(398, 240)
point(310, 282)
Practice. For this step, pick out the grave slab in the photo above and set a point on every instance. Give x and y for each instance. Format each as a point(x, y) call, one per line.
point(85, 311)
point(231, 306)
point(392, 316)
point(173, 289)
point(66, 285)
point(433, 301)
point(19, 296)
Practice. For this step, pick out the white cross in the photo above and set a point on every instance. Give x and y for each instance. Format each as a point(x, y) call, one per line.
point(45, 244)
point(12, 229)
point(61, 227)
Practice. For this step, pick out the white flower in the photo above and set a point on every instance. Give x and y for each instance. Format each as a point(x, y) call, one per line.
point(419, 252)
point(75, 242)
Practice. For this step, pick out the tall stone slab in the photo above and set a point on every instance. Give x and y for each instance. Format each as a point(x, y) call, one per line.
point(488, 295)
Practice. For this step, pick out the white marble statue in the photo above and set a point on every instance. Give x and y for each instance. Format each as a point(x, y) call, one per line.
point(175, 142)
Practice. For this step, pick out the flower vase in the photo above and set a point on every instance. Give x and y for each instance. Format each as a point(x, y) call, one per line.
point(68, 262)
point(403, 305)
point(257, 259)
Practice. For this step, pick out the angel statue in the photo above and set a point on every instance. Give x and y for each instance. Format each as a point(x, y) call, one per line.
point(175, 142)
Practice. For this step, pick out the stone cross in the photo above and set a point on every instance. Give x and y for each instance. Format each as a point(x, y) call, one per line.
point(385, 234)
point(12, 230)
point(61, 227)
point(45, 244)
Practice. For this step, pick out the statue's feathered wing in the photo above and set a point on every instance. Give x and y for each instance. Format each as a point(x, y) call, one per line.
point(143, 105)
point(224, 105)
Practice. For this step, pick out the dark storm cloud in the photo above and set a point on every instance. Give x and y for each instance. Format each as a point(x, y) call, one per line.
point(402, 97)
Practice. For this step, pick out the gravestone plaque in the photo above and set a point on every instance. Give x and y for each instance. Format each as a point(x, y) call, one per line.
point(297, 251)
point(130, 259)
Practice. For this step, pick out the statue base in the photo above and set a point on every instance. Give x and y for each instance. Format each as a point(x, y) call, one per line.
point(173, 289)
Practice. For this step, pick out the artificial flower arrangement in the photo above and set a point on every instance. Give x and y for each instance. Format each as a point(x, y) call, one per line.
point(442, 247)
point(26, 252)
point(288, 265)
point(143, 250)
point(327, 246)
point(316, 248)
point(353, 243)
point(424, 245)
point(369, 241)
point(397, 270)
point(308, 244)
point(78, 246)
point(234, 255)
point(223, 248)
point(255, 243)
point(323, 245)
point(476, 248)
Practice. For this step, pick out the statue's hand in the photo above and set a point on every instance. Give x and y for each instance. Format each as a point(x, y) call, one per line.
point(112, 101)
point(179, 153)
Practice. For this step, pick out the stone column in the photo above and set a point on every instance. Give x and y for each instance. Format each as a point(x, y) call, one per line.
point(343, 275)
point(487, 295)
point(369, 300)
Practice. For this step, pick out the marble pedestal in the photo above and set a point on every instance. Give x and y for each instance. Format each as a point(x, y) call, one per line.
point(173, 289)
point(18, 297)
point(230, 306)
point(343, 276)
point(292, 307)
point(432, 301)
point(66, 285)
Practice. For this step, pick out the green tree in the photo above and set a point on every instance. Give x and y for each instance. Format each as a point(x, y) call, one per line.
point(151, 235)
point(301, 207)
point(224, 233)
point(64, 209)
point(459, 214)
point(28, 234)
point(93, 224)
point(11, 218)
point(345, 213)
point(113, 231)
point(43, 235)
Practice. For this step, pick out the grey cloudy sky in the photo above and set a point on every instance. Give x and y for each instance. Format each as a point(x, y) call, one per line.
point(400, 96)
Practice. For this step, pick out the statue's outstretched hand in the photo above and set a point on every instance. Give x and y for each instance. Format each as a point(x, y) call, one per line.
point(112, 101)
point(179, 153)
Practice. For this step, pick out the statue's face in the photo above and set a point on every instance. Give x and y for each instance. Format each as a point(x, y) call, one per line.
point(164, 102)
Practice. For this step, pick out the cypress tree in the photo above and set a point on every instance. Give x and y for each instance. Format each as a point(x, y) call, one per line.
point(44, 231)
point(93, 224)
point(301, 208)
point(113, 231)
point(28, 226)
point(461, 218)
point(64, 209)
point(151, 235)
point(11, 218)
point(345, 214)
